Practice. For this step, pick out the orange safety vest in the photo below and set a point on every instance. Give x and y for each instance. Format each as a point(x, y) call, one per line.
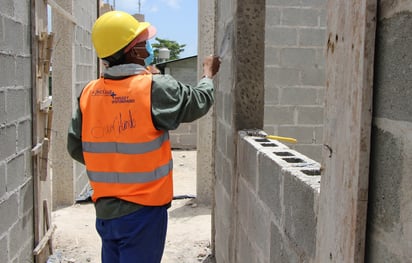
point(125, 155)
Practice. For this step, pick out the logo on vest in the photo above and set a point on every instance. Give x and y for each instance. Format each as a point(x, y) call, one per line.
point(122, 99)
point(103, 92)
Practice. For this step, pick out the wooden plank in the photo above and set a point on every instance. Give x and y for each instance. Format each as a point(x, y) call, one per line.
point(348, 114)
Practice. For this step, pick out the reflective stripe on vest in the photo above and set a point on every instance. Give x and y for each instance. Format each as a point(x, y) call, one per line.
point(125, 148)
point(143, 177)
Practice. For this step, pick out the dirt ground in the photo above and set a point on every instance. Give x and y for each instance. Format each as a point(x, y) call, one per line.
point(189, 232)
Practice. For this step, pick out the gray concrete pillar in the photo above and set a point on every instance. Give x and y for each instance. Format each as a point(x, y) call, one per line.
point(205, 130)
point(62, 92)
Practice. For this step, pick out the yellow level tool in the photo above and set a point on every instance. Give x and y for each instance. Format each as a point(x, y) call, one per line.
point(280, 138)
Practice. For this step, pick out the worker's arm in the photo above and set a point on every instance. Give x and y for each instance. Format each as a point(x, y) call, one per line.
point(174, 102)
point(74, 142)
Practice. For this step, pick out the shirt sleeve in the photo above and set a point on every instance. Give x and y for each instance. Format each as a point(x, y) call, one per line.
point(74, 136)
point(174, 102)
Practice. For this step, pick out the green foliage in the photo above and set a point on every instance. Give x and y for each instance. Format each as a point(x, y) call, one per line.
point(174, 47)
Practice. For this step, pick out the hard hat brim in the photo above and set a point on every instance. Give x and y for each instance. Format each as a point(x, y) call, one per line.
point(146, 34)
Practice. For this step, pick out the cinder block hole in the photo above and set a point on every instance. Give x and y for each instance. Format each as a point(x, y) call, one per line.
point(283, 153)
point(269, 145)
point(311, 172)
point(293, 160)
point(262, 140)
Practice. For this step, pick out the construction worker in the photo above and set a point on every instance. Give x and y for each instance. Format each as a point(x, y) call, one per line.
point(120, 132)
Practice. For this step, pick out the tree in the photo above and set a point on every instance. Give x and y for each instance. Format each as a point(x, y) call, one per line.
point(174, 47)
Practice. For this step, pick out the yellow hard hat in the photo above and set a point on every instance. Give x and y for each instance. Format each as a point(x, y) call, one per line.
point(114, 30)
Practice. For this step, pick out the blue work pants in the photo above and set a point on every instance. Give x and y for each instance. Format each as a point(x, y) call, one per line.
point(138, 237)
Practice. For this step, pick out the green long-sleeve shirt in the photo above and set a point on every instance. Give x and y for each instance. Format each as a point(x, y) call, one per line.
point(172, 103)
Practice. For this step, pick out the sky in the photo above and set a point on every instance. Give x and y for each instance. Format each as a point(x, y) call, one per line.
point(174, 20)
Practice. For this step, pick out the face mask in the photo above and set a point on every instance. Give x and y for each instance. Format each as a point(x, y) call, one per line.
point(150, 58)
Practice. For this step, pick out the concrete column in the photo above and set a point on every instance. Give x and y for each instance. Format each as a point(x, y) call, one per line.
point(206, 129)
point(63, 101)
point(239, 105)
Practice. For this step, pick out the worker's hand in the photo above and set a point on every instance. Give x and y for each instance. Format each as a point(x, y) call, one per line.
point(211, 65)
point(153, 69)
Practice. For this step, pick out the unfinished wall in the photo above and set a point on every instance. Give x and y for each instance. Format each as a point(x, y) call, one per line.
point(295, 72)
point(74, 65)
point(277, 202)
point(16, 177)
point(389, 229)
point(239, 105)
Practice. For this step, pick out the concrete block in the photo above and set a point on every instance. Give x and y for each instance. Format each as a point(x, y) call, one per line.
point(3, 115)
point(313, 77)
point(271, 95)
point(247, 162)
point(244, 200)
point(3, 185)
point(7, 74)
point(379, 250)
point(284, 3)
point(8, 138)
point(22, 11)
point(18, 103)
point(16, 174)
point(312, 37)
point(385, 181)
point(259, 223)
point(26, 252)
point(9, 210)
point(4, 249)
point(26, 198)
point(281, 115)
point(13, 35)
point(282, 77)
point(300, 17)
point(299, 96)
point(7, 8)
point(270, 184)
point(23, 67)
point(246, 253)
point(21, 233)
point(314, 3)
point(222, 224)
point(297, 57)
point(24, 135)
point(280, 251)
point(228, 174)
point(393, 75)
point(221, 135)
point(282, 36)
point(273, 16)
point(310, 115)
point(272, 56)
point(300, 215)
point(227, 108)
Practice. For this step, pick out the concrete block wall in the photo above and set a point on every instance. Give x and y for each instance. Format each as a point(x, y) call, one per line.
point(277, 202)
point(389, 227)
point(239, 105)
point(295, 72)
point(16, 177)
point(74, 65)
